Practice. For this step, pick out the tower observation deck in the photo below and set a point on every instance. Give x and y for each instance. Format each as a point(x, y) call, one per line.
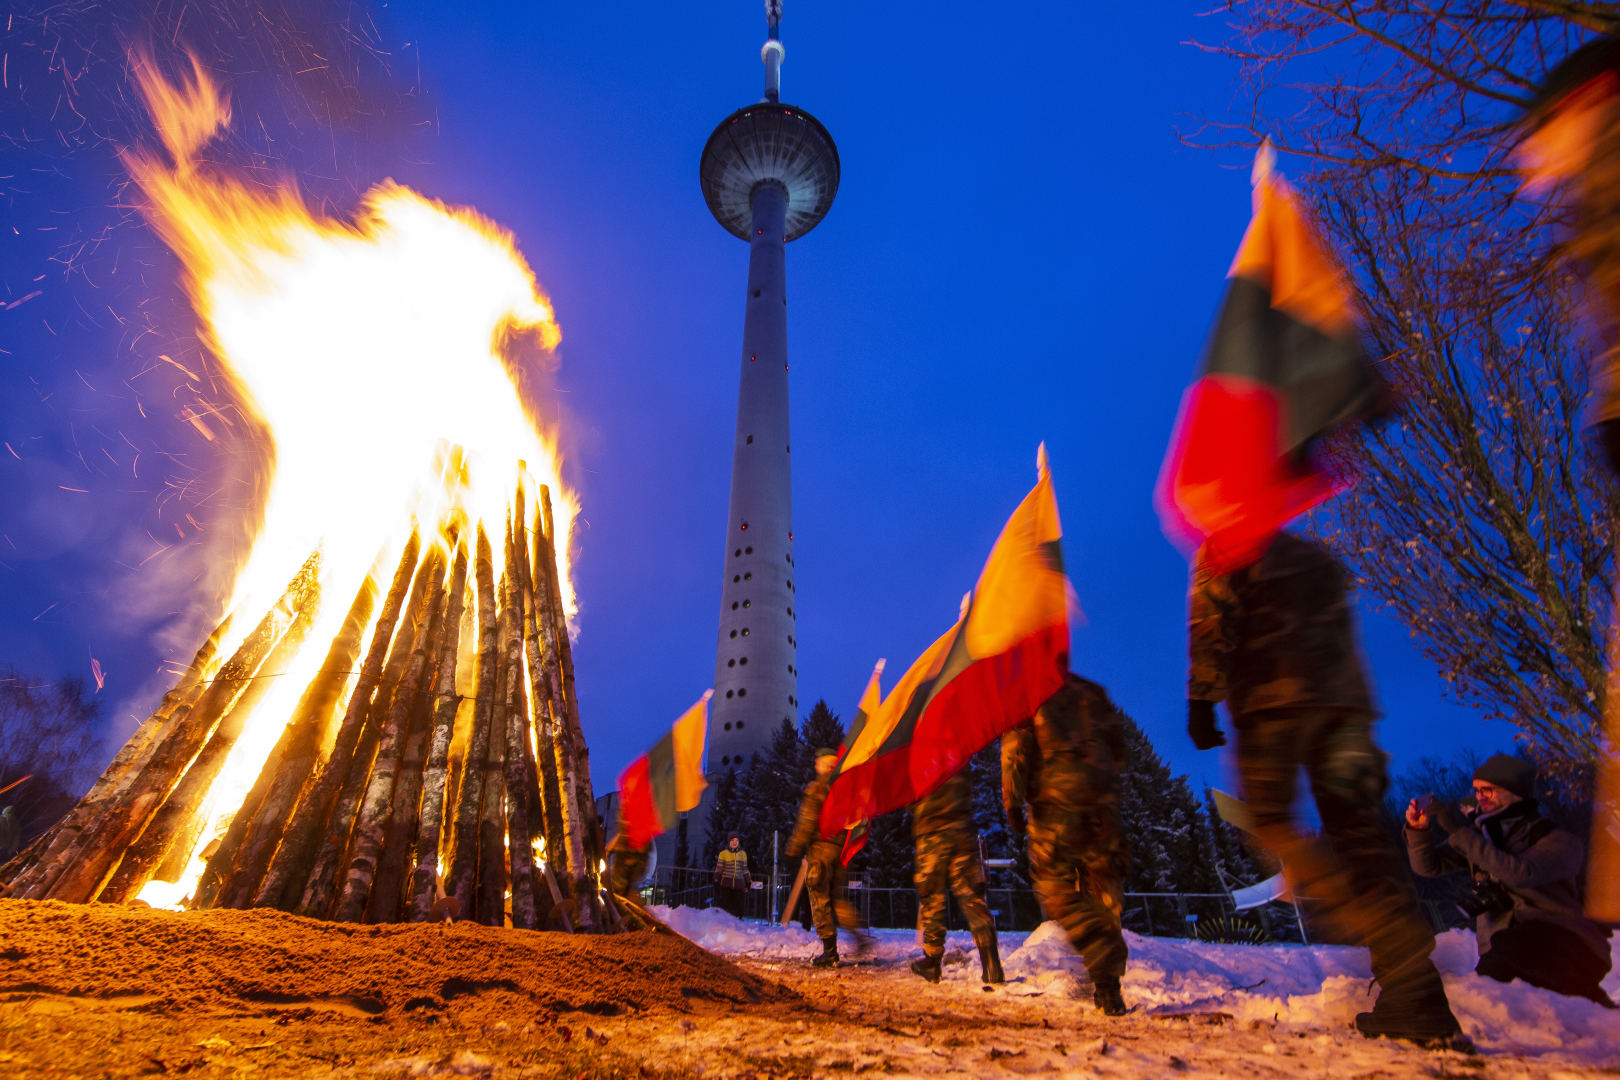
point(769, 173)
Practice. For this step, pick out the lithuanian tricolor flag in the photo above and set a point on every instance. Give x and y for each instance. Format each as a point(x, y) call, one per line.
point(871, 701)
point(1284, 366)
point(989, 673)
point(667, 780)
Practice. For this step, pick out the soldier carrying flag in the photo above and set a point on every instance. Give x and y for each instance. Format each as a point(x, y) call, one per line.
point(1269, 626)
point(825, 878)
point(948, 861)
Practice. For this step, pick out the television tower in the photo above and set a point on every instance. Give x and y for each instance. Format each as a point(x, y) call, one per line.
point(769, 174)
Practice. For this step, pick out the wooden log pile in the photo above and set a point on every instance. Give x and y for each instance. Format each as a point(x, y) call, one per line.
point(392, 794)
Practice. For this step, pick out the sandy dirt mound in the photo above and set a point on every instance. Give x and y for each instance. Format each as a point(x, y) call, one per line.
point(250, 960)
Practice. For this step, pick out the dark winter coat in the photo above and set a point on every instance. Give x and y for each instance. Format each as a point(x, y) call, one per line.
point(1276, 634)
point(1537, 863)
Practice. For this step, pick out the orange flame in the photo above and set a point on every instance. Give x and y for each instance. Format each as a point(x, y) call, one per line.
point(370, 350)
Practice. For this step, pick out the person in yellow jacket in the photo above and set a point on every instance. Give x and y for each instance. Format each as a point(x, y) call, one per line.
point(731, 877)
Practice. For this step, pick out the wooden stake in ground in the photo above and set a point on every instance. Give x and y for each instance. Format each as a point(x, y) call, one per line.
point(573, 761)
point(165, 846)
point(289, 869)
point(435, 780)
point(371, 825)
point(237, 867)
point(545, 685)
point(86, 866)
point(519, 831)
point(490, 898)
point(464, 863)
point(387, 891)
point(332, 858)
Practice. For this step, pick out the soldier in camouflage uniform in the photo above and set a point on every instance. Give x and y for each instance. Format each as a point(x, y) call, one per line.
point(1060, 780)
point(948, 859)
point(826, 880)
point(1274, 640)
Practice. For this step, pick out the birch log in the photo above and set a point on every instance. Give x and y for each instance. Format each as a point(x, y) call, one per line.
point(370, 827)
point(435, 779)
point(464, 863)
point(289, 868)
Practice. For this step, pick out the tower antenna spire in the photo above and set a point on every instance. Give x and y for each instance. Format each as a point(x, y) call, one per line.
point(772, 53)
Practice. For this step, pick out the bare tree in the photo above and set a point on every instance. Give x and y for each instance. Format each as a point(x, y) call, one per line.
point(46, 734)
point(1481, 518)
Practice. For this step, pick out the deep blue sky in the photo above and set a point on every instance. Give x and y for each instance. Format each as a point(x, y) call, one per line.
point(1021, 250)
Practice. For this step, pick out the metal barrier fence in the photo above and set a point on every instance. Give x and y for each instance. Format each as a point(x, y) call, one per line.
point(1160, 914)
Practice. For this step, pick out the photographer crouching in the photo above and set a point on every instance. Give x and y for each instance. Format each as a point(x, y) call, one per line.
point(1525, 894)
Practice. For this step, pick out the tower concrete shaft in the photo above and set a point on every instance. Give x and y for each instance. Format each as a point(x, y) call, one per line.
point(756, 677)
point(769, 173)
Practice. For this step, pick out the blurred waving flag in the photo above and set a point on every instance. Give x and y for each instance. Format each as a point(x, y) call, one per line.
point(668, 779)
point(871, 700)
point(1284, 366)
point(989, 673)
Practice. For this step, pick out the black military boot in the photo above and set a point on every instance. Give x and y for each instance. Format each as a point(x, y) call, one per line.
point(1415, 1011)
point(928, 967)
point(829, 953)
point(989, 959)
point(1106, 997)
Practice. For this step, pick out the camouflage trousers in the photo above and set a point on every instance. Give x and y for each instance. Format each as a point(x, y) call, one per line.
point(948, 860)
point(625, 868)
point(826, 881)
point(1352, 877)
point(1078, 862)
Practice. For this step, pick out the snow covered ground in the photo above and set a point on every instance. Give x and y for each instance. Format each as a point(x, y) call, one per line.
point(1291, 987)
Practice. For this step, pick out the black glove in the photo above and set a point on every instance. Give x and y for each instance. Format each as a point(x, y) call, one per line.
point(1447, 816)
point(1015, 819)
point(1201, 725)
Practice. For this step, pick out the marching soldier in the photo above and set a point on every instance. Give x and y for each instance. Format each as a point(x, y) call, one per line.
point(948, 859)
point(1060, 780)
point(1274, 641)
point(825, 877)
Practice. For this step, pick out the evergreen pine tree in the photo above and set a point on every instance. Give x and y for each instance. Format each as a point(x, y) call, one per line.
point(822, 727)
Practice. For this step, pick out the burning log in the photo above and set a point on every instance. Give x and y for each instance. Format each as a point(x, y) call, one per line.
point(164, 848)
point(464, 862)
point(436, 777)
point(331, 859)
point(290, 865)
point(492, 850)
point(573, 763)
point(87, 866)
point(237, 867)
point(546, 695)
point(370, 827)
point(387, 891)
point(519, 770)
point(48, 847)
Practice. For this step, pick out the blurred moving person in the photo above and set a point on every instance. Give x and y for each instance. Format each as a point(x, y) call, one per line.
point(1060, 782)
point(825, 878)
point(948, 861)
point(1274, 640)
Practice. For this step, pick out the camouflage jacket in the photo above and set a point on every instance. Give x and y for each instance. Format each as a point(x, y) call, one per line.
point(948, 807)
point(1276, 634)
point(807, 833)
point(1068, 756)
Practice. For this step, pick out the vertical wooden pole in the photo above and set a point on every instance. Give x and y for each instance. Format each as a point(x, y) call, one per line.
point(371, 825)
point(289, 868)
point(464, 863)
point(435, 781)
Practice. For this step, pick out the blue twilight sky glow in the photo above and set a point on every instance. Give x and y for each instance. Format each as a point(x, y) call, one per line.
point(1021, 250)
